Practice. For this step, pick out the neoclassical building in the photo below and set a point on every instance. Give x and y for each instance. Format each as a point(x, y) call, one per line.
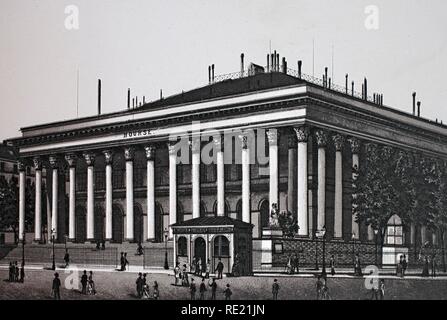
point(293, 140)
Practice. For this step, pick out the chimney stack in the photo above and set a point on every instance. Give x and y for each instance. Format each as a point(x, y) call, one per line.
point(161, 93)
point(419, 108)
point(99, 96)
point(284, 67)
point(209, 74)
point(414, 103)
point(366, 89)
point(212, 72)
point(133, 102)
point(242, 65)
point(144, 100)
point(277, 62)
point(352, 88)
point(346, 83)
point(128, 98)
point(300, 63)
point(268, 63)
point(325, 77)
point(136, 101)
point(272, 63)
point(329, 82)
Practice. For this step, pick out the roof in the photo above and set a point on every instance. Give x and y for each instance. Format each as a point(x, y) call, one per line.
point(212, 222)
point(7, 153)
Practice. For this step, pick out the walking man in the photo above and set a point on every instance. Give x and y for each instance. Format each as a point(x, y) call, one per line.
point(275, 289)
point(227, 292)
point(176, 273)
point(332, 265)
point(84, 281)
point(66, 258)
point(139, 284)
point(56, 287)
point(219, 269)
point(213, 286)
point(202, 289)
point(192, 289)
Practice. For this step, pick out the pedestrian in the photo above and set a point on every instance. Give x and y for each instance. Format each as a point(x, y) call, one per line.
point(91, 284)
point(16, 272)
point(192, 289)
point(22, 273)
point(98, 245)
point(227, 292)
point(289, 269)
point(199, 267)
point(332, 265)
point(425, 272)
point(139, 249)
point(185, 281)
point(319, 287)
point(177, 274)
point(139, 284)
point(103, 245)
point(219, 269)
point(193, 265)
point(275, 289)
point(296, 263)
point(433, 266)
point(382, 289)
point(399, 272)
point(202, 289)
point(208, 268)
point(56, 287)
point(84, 281)
point(213, 286)
point(156, 293)
point(145, 292)
point(126, 262)
point(404, 265)
point(122, 262)
point(66, 259)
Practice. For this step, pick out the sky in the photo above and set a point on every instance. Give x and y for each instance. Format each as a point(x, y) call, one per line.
point(400, 46)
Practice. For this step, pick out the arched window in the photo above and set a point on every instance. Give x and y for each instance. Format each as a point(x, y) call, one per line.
point(181, 247)
point(221, 247)
point(394, 231)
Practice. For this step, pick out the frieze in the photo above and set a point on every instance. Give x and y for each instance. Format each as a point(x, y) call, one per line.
point(205, 230)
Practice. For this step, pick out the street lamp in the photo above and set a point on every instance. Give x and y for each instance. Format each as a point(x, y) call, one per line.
point(323, 234)
point(376, 231)
point(23, 249)
point(166, 266)
point(53, 232)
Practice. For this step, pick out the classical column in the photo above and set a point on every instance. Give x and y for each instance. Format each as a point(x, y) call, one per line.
point(321, 137)
point(339, 141)
point(246, 214)
point(273, 136)
point(38, 200)
point(220, 176)
point(302, 136)
point(172, 185)
point(71, 160)
point(54, 195)
point(355, 150)
point(412, 233)
point(129, 155)
point(423, 235)
point(108, 157)
point(90, 160)
point(150, 158)
point(22, 186)
point(195, 176)
point(291, 180)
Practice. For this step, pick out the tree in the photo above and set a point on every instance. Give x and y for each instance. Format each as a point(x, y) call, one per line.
point(9, 206)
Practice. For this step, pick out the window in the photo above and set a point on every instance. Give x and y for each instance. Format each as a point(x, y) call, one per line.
point(221, 247)
point(394, 231)
point(182, 247)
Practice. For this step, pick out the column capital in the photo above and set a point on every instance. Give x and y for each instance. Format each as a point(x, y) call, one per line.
point(272, 136)
point(54, 161)
point(195, 144)
point(218, 141)
point(71, 159)
point(355, 145)
point(150, 152)
point(108, 156)
point(21, 166)
point(129, 153)
point(89, 158)
point(339, 141)
point(172, 149)
point(292, 141)
point(302, 133)
point(37, 163)
point(322, 138)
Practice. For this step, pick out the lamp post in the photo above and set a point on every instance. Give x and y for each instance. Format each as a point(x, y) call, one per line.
point(376, 231)
point(166, 266)
point(316, 250)
point(323, 235)
point(53, 267)
point(23, 249)
point(66, 238)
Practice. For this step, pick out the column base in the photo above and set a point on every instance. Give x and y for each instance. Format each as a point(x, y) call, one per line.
point(38, 241)
point(71, 240)
point(130, 241)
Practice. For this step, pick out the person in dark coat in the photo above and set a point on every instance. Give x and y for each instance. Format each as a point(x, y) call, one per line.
point(139, 284)
point(425, 272)
point(84, 281)
point(126, 262)
point(192, 289)
point(404, 265)
point(228, 292)
point(296, 263)
point(56, 287)
point(213, 286)
point(433, 266)
point(122, 262)
point(219, 269)
point(16, 272)
point(275, 289)
point(67, 259)
point(202, 289)
point(332, 265)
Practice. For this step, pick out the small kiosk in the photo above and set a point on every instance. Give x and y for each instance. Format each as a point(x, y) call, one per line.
point(214, 238)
